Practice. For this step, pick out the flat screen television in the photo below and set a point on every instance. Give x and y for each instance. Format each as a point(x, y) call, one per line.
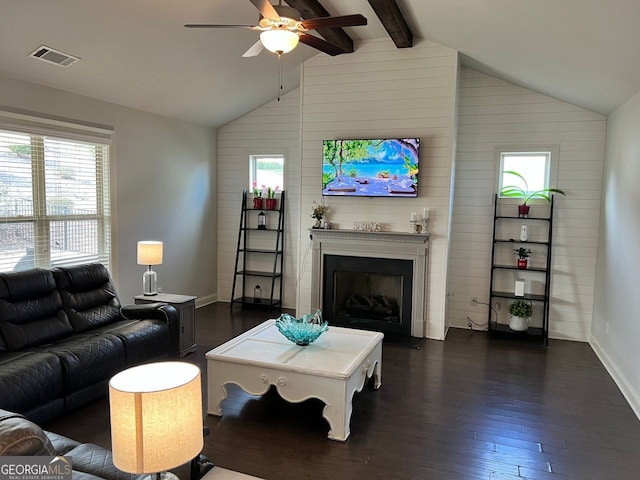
point(383, 167)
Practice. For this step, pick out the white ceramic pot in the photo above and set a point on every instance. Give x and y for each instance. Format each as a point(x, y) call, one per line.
point(518, 324)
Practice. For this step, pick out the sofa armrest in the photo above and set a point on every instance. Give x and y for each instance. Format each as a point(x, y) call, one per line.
point(157, 311)
point(21, 437)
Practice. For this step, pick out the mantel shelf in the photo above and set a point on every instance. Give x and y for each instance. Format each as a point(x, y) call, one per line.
point(340, 234)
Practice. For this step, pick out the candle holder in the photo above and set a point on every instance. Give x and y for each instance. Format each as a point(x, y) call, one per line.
point(425, 225)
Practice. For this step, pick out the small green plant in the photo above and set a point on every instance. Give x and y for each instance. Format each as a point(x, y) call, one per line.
point(522, 252)
point(521, 309)
point(514, 191)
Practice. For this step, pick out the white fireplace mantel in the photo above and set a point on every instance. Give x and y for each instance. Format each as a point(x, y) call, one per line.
point(393, 245)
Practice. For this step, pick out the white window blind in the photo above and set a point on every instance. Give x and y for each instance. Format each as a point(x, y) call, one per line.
point(54, 199)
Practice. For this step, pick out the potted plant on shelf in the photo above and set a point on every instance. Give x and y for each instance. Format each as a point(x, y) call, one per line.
point(270, 200)
point(257, 197)
point(515, 191)
point(520, 312)
point(523, 254)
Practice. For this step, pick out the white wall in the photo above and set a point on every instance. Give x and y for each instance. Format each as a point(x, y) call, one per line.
point(162, 182)
point(382, 91)
point(495, 113)
point(272, 128)
point(616, 322)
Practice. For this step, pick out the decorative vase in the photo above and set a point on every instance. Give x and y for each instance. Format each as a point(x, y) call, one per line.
point(271, 203)
point(318, 222)
point(257, 203)
point(524, 233)
point(522, 263)
point(518, 324)
point(523, 211)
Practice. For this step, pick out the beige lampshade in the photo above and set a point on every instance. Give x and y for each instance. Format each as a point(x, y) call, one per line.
point(156, 416)
point(149, 253)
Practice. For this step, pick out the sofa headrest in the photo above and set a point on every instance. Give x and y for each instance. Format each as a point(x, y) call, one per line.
point(81, 278)
point(27, 284)
point(31, 310)
point(20, 437)
point(88, 295)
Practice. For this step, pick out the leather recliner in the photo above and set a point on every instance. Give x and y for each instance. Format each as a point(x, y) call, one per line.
point(64, 334)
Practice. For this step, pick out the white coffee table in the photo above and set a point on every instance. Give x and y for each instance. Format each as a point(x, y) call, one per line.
point(331, 369)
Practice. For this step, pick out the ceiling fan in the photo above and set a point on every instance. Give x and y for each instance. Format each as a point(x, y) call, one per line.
point(282, 28)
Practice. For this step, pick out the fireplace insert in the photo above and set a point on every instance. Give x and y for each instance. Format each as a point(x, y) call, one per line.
point(368, 293)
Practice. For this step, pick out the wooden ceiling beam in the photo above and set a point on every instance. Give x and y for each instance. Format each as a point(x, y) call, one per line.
point(336, 36)
point(394, 22)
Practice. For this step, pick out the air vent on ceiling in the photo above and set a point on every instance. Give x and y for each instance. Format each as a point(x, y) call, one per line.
point(54, 56)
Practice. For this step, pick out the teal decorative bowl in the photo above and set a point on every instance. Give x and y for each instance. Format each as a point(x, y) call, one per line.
point(302, 331)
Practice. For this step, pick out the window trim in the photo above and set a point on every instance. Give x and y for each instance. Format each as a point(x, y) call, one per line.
point(551, 174)
point(39, 127)
point(252, 167)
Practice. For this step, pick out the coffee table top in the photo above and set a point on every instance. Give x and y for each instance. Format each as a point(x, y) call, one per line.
point(337, 353)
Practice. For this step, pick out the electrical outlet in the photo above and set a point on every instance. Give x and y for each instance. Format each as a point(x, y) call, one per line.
point(474, 300)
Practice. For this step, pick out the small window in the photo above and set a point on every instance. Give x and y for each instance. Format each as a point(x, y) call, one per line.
point(533, 166)
point(267, 170)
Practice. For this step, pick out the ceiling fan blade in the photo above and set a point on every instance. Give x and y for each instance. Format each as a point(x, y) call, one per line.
point(254, 50)
point(334, 22)
point(320, 44)
point(211, 25)
point(266, 9)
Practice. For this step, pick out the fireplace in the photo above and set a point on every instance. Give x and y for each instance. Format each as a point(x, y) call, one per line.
point(371, 280)
point(368, 293)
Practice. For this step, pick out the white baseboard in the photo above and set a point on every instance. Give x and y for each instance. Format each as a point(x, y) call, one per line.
point(628, 391)
point(206, 300)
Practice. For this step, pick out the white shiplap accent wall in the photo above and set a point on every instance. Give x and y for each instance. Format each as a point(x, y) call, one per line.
point(496, 113)
point(273, 128)
point(382, 91)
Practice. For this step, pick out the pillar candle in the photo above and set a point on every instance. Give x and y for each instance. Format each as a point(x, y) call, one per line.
point(425, 213)
point(414, 216)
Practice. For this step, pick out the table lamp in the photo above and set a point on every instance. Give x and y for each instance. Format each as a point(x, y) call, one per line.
point(156, 417)
point(149, 253)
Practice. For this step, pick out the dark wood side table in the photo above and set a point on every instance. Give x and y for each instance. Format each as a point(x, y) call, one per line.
point(186, 307)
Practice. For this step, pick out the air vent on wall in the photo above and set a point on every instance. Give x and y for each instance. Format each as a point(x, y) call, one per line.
point(54, 56)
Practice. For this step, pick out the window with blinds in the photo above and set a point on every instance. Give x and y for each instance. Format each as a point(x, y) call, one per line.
point(54, 200)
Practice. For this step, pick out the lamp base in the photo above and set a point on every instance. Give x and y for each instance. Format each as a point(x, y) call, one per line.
point(150, 282)
point(162, 476)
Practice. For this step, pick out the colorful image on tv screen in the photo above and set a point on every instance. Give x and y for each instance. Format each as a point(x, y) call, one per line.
point(371, 168)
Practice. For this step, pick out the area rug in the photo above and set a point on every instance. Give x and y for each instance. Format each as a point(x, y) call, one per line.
point(219, 473)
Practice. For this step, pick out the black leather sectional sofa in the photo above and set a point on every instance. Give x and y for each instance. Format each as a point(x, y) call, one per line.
point(20, 437)
point(64, 334)
point(23, 438)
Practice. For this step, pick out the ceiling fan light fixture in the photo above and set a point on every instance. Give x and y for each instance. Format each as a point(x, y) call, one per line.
point(279, 41)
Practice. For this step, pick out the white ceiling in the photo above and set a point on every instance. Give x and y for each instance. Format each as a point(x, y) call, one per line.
point(137, 52)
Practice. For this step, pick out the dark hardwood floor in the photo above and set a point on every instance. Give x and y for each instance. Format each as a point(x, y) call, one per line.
point(467, 408)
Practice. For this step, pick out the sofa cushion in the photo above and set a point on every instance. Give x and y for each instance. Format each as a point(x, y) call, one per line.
point(61, 444)
point(95, 460)
point(88, 295)
point(29, 379)
point(20, 437)
point(143, 339)
point(88, 359)
point(31, 310)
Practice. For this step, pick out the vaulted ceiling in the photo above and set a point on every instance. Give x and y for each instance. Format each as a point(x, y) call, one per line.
point(137, 52)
